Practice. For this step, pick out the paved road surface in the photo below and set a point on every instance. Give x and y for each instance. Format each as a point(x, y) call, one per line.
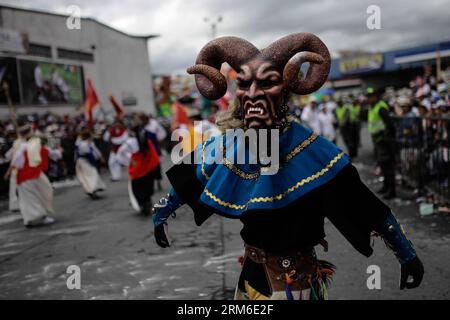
point(118, 258)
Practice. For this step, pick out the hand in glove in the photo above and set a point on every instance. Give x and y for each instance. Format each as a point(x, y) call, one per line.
point(396, 240)
point(413, 268)
point(161, 235)
point(161, 212)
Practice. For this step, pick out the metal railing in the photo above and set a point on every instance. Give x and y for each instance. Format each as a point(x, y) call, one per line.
point(423, 145)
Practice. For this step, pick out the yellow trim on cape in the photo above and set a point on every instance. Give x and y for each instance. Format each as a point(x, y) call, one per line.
point(278, 196)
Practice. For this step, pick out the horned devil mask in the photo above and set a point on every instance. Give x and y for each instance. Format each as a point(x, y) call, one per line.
point(264, 77)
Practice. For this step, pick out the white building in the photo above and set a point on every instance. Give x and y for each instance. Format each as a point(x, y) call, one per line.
point(47, 58)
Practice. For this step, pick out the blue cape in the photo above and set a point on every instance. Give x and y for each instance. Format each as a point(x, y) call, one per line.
point(307, 162)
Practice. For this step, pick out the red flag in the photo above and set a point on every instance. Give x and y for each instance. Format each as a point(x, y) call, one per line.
point(91, 100)
point(180, 115)
point(120, 112)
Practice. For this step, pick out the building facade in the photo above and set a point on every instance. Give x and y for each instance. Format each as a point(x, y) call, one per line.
point(391, 68)
point(47, 58)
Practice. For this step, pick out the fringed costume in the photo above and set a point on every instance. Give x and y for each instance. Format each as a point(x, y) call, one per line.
point(282, 210)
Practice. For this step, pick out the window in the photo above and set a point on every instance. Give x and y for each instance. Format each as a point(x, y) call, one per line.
point(75, 55)
point(39, 50)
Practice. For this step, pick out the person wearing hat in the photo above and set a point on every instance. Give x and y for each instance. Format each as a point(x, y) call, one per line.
point(116, 135)
point(382, 131)
point(327, 122)
point(34, 189)
point(140, 155)
point(157, 134)
point(310, 115)
point(347, 115)
point(282, 212)
point(87, 155)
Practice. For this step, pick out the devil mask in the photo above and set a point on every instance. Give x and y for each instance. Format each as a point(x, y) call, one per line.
point(265, 77)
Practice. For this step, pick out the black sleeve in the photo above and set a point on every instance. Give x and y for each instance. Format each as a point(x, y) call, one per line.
point(184, 180)
point(353, 209)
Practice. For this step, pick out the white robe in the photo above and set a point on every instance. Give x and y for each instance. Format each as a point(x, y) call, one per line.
point(88, 176)
point(13, 199)
point(113, 163)
point(326, 125)
point(35, 195)
point(310, 118)
point(134, 203)
point(114, 167)
point(35, 199)
point(124, 153)
point(86, 173)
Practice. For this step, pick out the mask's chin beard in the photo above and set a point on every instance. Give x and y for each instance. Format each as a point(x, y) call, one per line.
point(255, 123)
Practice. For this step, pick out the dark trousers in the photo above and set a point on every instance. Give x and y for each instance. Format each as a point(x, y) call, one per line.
point(350, 135)
point(143, 190)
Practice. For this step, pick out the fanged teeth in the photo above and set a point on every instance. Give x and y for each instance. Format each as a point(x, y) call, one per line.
point(255, 110)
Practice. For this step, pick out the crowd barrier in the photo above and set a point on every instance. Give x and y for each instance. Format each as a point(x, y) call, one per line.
point(423, 149)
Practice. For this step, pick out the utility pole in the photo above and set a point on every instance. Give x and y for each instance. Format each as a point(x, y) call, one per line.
point(213, 24)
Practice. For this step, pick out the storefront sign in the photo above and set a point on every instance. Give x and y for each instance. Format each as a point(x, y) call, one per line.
point(361, 63)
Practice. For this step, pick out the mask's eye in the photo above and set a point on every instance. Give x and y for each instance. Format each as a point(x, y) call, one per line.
point(268, 82)
point(243, 84)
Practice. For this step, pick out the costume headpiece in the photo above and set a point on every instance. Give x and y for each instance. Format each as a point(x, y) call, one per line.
point(286, 54)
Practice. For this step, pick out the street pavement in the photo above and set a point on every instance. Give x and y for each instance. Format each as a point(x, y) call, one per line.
point(118, 258)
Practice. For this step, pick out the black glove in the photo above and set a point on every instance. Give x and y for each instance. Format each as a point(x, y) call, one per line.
point(161, 236)
point(413, 268)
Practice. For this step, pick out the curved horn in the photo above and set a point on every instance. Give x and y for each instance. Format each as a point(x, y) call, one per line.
point(235, 51)
point(290, 52)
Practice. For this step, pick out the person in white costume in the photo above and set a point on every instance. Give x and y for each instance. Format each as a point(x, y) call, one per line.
point(141, 156)
point(327, 123)
point(88, 155)
point(157, 129)
point(34, 189)
point(156, 133)
point(11, 175)
point(116, 136)
point(310, 115)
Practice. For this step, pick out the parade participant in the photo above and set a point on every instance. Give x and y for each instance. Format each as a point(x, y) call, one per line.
point(34, 189)
point(329, 103)
point(282, 213)
point(310, 115)
point(346, 114)
point(355, 120)
point(116, 135)
point(327, 123)
point(11, 175)
point(141, 157)
point(157, 134)
point(382, 130)
point(88, 155)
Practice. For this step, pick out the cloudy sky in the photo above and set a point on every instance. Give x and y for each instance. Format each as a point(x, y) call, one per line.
point(340, 24)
